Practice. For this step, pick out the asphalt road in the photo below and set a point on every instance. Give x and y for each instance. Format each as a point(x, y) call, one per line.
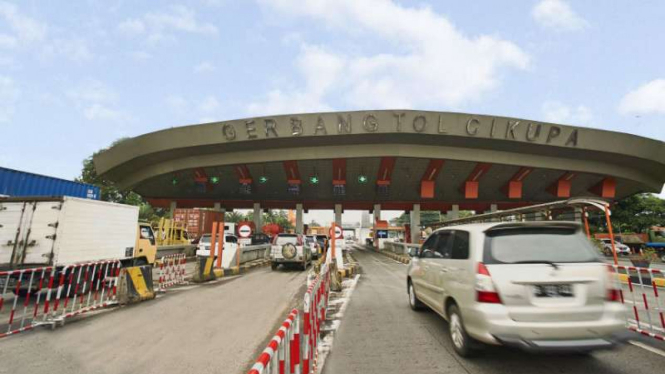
point(210, 328)
point(381, 334)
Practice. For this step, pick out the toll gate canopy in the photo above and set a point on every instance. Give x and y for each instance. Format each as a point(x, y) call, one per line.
point(395, 158)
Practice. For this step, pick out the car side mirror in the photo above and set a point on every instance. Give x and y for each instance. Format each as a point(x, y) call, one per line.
point(413, 252)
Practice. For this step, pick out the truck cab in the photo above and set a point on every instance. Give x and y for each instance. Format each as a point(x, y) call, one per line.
point(145, 249)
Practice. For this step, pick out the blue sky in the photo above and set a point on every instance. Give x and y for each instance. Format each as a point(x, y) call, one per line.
point(76, 75)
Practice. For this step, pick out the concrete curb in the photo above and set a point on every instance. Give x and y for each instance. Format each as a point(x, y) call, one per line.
point(401, 258)
point(660, 282)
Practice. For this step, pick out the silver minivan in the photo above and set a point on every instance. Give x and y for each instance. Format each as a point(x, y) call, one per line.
point(533, 285)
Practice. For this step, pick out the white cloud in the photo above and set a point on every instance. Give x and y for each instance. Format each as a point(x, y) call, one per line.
point(436, 64)
point(9, 95)
point(96, 101)
point(26, 30)
point(554, 111)
point(75, 49)
point(132, 27)
point(209, 104)
point(8, 41)
point(646, 99)
point(158, 26)
point(101, 112)
point(178, 104)
point(558, 15)
point(140, 55)
point(92, 91)
point(204, 67)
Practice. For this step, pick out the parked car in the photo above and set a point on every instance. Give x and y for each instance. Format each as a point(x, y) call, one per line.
point(290, 250)
point(203, 248)
point(622, 249)
point(314, 246)
point(260, 238)
point(532, 285)
point(350, 240)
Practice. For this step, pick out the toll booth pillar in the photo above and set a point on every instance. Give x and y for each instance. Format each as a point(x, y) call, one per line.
point(172, 208)
point(453, 213)
point(415, 224)
point(258, 217)
point(338, 215)
point(377, 217)
point(299, 220)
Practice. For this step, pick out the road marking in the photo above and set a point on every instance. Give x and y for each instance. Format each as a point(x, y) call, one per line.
point(647, 347)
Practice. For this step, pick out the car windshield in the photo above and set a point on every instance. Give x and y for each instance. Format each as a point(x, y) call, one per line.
point(538, 244)
point(283, 239)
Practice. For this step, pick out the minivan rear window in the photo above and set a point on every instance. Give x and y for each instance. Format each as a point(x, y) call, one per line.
point(534, 244)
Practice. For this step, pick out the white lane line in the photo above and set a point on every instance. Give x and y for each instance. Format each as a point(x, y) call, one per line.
point(647, 347)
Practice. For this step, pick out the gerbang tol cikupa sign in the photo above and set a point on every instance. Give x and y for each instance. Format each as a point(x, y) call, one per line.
point(455, 124)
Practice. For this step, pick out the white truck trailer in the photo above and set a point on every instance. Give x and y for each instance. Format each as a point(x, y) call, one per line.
point(62, 231)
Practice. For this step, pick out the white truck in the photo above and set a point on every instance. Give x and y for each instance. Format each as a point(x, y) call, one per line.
point(62, 231)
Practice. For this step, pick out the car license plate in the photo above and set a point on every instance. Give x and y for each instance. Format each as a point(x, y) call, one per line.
point(553, 290)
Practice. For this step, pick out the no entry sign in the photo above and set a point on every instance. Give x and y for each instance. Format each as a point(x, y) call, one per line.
point(245, 231)
point(338, 233)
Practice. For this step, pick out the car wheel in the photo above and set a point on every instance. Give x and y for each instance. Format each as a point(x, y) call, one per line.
point(274, 266)
point(414, 303)
point(462, 342)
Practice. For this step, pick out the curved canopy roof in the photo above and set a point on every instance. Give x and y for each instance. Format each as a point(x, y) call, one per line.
point(392, 157)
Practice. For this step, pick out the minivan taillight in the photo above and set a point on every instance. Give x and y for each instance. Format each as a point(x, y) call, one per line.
point(613, 294)
point(485, 291)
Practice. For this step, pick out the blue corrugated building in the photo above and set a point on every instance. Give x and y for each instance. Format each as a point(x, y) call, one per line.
point(19, 183)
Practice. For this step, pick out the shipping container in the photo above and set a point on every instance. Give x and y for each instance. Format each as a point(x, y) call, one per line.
point(198, 221)
point(22, 184)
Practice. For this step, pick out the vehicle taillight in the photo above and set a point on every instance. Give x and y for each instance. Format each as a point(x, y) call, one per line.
point(613, 294)
point(299, 240)
point(274, 239)
point(485, 291)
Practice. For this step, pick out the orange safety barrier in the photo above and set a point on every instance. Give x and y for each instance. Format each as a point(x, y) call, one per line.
point(640, 289)
point(47, 295)
point(294, 348)
point(172, 270)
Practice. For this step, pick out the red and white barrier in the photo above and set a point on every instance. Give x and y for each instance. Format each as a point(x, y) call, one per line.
point(52, 294)
point(641, 290)
point(294, 348)
point(172, 270)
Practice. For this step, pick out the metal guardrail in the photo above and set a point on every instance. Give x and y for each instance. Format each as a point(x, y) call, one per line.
point(251, 253)
point(399, 248)
point(187, 249)
point(520, 214)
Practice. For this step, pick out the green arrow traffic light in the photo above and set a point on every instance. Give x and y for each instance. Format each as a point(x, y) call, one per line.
point(314, 180)
point(214, 180)
point(362, 179)
point(263, 179)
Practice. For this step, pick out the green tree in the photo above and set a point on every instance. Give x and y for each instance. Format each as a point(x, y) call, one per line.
point(427, 217)
point(279, 217)
point(236, 217)
point(109, 191)
point(637, 213)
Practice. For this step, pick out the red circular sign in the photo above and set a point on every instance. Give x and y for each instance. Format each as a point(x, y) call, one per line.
point(338, 233)
point(245, 231)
